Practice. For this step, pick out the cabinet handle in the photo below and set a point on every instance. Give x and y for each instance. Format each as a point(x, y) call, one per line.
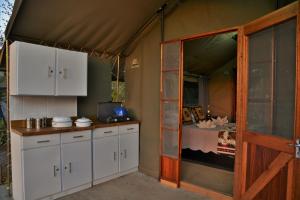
point(64, 73)
point(125, 153)
point(78, 136)
point(70, 167)
point(129, 129)
point(43, 141)
point(50, 71)
point(55, 170)
point(107, 131)
point(115, 156)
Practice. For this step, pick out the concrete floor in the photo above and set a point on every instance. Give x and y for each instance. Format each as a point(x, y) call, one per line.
point(212, 178)
point(135, 186)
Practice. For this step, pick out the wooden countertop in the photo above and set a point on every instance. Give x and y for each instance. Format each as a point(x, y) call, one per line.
point(22, 131)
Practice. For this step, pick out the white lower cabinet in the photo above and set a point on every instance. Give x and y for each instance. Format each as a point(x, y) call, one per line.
point(42, 175)
point(115, 152)
point(55, 165)
point(51, 166)
point(129, 151)
point(106, 156)
point(76, 164)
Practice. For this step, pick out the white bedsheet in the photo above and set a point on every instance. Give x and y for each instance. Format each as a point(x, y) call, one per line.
point(204, 139)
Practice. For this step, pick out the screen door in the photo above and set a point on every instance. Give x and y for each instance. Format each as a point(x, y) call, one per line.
point(170, 110)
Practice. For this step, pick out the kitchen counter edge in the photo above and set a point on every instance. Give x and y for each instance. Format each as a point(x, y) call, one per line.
point(51, 130)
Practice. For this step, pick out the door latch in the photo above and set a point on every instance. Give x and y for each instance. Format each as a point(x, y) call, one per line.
point(297, 146)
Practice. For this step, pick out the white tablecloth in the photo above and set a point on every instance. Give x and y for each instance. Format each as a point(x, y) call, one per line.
point(203, 139)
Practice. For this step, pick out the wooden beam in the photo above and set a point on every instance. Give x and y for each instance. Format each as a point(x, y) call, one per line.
point(269, 141)
point(290, 180)
point(280, 161)
point(238, 165)
point(273, 18)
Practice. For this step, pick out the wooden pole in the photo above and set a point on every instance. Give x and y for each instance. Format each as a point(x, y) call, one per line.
point(118, 77)
point(8, 120)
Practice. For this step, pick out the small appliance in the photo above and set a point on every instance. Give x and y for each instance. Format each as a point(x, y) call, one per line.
point(110, 112)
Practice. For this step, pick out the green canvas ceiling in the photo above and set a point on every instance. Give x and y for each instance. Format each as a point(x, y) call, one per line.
point(99, 25)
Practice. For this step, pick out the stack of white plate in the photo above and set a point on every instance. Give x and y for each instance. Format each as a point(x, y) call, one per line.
point(83, 122)
point(61, 122)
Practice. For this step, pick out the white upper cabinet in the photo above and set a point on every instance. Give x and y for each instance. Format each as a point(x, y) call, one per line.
point(41, 70)
point(32, 69)
point(71, 73)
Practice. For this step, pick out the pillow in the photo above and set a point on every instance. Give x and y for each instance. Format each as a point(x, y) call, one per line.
point(186, 115)
point(200, 113)
point(195, 115)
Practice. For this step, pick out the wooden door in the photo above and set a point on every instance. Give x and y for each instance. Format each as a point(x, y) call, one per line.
point(105, 156)
point(71, 73)
point(76, 164)
point(170, 113)
point(129, 151)
point(268, 107)
point(42, 175)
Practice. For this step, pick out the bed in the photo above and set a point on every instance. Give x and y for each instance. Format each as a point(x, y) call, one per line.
point(219, 140)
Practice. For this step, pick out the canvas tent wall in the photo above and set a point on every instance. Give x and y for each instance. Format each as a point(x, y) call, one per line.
point(106, 27)
point(143, 84)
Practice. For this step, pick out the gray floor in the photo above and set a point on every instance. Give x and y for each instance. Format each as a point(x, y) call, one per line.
point(135, 186)
point(208, 177)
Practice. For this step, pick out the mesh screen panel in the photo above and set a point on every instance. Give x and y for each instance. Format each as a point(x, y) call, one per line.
point(170, 95)
point(271, 81)
point(170, 85)
point(171, 55)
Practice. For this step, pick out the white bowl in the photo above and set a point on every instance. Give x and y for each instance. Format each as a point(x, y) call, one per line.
point(83, 124)
point(61, 124)
point(62, 119)
point(83, 120)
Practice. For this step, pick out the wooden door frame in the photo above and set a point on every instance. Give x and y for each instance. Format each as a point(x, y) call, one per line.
point(180, 183)
point(242, 140)
point(183, 184)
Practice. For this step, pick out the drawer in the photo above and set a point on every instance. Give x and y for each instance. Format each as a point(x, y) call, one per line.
point(132, 128)
point(103, 132)
point(77, 136)
point(40, 141)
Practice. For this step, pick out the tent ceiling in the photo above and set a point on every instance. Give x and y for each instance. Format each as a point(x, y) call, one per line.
point(100, 25)
point(203, 56)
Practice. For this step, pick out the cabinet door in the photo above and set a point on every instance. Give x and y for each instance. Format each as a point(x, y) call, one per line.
point(76, 164)
point(105, 156)
point(42, 176)
point(71, 73)
point(35, 68)
point(129, 151)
